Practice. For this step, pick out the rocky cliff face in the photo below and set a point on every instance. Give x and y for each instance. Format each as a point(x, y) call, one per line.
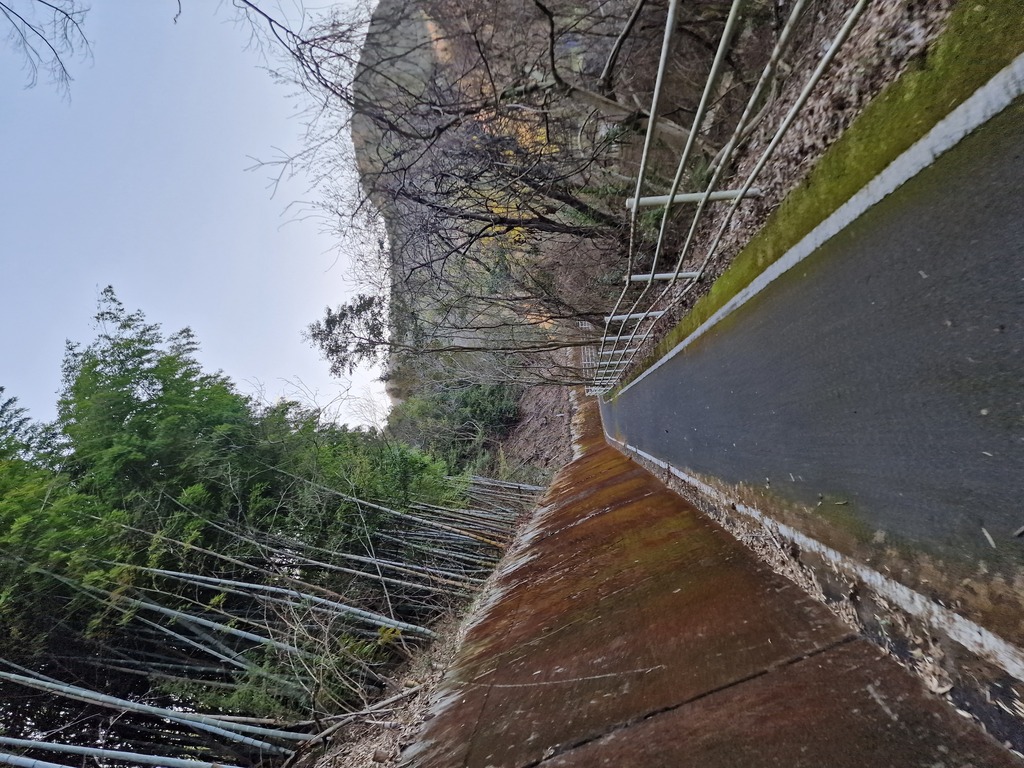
point(407, 131)
point(472, 152)
point(396, 67)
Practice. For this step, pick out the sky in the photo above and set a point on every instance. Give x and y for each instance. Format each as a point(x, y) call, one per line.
point(140, 181)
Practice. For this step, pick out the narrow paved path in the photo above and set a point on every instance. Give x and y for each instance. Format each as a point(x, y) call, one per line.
point(885, 371)
point(625, 629)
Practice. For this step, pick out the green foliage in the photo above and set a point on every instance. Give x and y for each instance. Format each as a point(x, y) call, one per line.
point(352, 333)
point(137, 412)
point(15, 426)
point(45, 525)
point(460, 422)
point(153, 463)
point(648, 222)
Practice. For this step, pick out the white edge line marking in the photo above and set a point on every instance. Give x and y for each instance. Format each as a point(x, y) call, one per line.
point(982, 105)
point(971, 636)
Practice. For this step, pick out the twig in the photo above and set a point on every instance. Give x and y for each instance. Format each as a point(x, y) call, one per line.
point(344, 720)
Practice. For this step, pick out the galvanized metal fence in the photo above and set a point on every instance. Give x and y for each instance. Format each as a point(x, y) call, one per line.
point(632, 320)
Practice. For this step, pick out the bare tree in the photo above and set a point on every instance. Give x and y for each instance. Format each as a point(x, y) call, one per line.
point(482, 171)
point(493, 140)
point(46, 33)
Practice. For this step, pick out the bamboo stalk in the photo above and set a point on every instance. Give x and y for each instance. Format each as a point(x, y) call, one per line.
point(464, 557)
point(479, 522)
point(301, 546)
point(154, 675)
point(480, 480)
point(361, 574)
point(372, 505)
point(231, 731)
point(302, 597)
point(27, 762)
point(232, 658)
point(223, 628)
point(110, 754)
point(100, 661)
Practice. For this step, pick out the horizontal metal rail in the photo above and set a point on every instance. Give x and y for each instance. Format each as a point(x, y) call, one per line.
point(662, 276)
point(655, 201)
point(633, 316)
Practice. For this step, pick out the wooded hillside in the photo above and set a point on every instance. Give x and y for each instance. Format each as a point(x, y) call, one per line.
point(498, 145)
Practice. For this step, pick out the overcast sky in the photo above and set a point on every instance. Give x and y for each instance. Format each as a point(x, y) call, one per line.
point(140, 182)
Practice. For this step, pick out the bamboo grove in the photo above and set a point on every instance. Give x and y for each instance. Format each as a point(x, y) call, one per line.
point(187, 574)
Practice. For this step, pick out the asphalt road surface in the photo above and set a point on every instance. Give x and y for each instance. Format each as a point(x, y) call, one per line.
point(886, 369)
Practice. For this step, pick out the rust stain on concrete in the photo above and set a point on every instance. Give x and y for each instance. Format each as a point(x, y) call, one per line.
point(622, 609)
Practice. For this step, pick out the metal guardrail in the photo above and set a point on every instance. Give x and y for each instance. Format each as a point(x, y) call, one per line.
point(607, 361)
